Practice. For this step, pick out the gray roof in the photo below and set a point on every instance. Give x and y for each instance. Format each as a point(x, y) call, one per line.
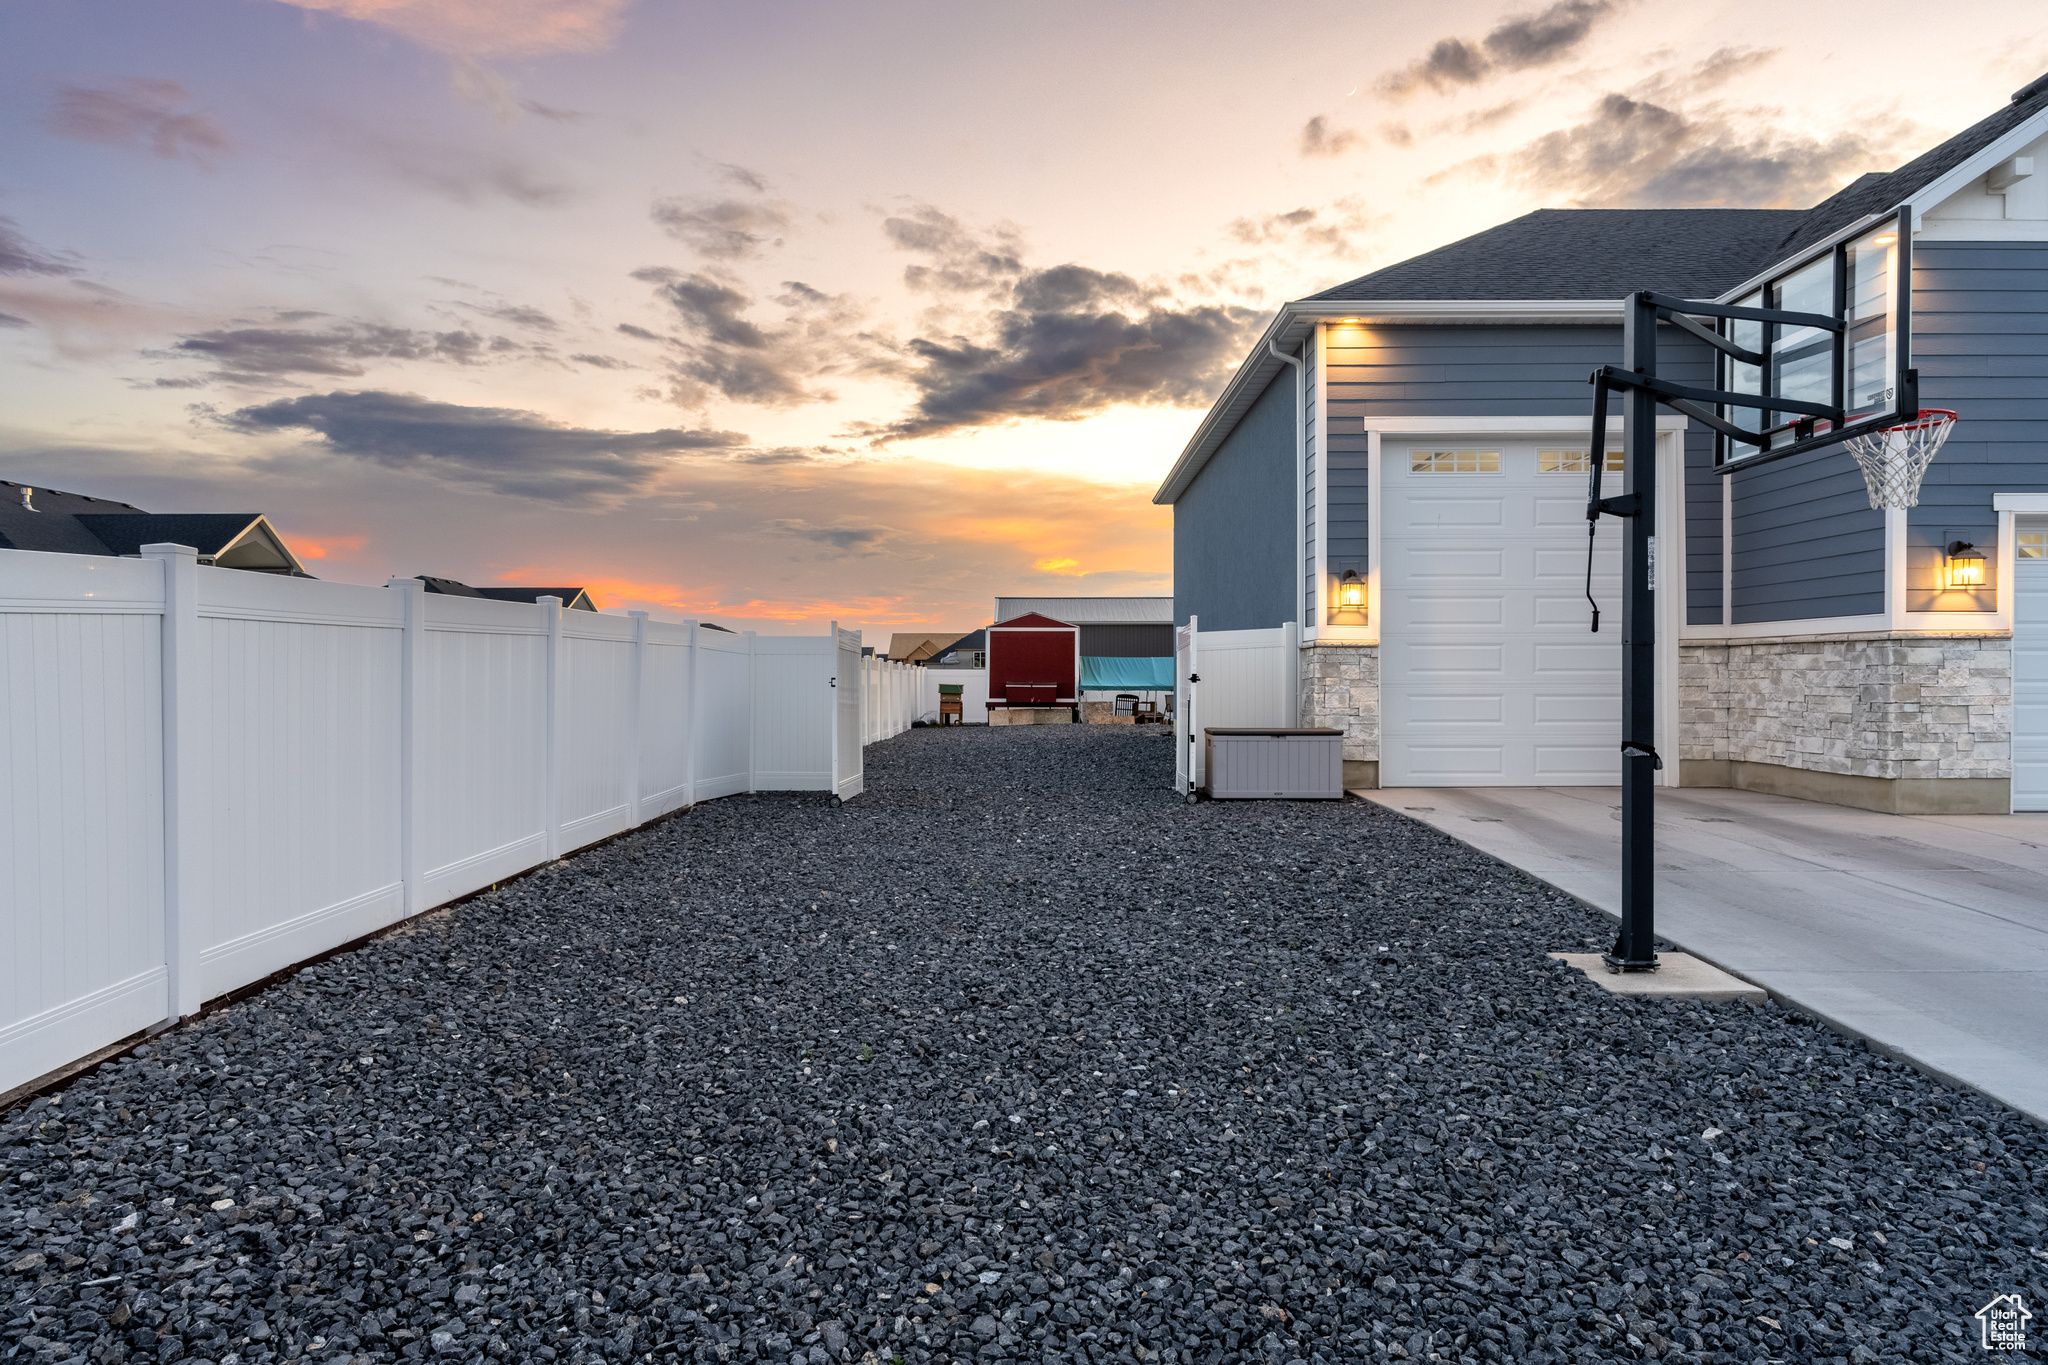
point(56, 522)
point(1588, 254)
point(1079, 611)
point(52, 526)
point(572, 599)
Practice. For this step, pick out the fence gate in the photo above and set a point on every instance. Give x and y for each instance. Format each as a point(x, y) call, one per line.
point(1186, 732)
point(848, 675)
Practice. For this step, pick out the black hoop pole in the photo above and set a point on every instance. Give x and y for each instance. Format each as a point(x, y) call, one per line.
point(1635, 948)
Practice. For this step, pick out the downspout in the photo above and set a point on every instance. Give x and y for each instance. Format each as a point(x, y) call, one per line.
point(1295, 574)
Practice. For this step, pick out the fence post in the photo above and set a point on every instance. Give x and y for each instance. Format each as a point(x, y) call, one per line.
point(411, 752)
point(551, 616)
point(692, 709)
point(639, 714)
point(753, 704)
point(182, 691)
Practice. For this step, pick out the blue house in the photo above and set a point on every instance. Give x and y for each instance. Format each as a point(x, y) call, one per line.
point(1400, 466)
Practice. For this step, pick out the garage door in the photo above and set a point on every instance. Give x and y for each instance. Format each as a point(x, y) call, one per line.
point(2030, 669)
point(1488, 674)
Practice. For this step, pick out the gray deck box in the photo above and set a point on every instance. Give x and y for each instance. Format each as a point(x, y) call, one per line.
point(1242, 765)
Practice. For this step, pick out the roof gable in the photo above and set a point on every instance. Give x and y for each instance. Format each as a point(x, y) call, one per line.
point(1031, 620)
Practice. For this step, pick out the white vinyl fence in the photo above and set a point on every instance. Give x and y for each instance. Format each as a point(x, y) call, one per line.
point(207, 775)
point(1231, 679)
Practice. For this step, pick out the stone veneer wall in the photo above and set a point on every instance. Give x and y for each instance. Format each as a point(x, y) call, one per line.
point(1340, 688)
point(1881, 706)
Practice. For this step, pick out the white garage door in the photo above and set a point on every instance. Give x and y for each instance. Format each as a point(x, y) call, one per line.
point(1488, 675)
point(2030, 669)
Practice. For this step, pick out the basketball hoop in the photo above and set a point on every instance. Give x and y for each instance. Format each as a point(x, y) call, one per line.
point(1892, 460)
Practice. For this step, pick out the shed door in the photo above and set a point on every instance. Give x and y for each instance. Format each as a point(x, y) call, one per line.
point(2030, 668)
point(1489, 676)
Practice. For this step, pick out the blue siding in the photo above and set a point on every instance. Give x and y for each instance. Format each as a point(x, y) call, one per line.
point(1980, 338)
point(1807, 543)
point(1233, 529)
point(1504, 371)
point(1702, 531)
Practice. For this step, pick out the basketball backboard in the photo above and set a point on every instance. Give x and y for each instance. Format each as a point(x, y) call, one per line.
point(1853, 351)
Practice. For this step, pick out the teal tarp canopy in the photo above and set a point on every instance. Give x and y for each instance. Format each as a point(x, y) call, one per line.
point(1099, 674)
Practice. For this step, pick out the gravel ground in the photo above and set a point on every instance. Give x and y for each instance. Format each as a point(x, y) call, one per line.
point(1015, 1057)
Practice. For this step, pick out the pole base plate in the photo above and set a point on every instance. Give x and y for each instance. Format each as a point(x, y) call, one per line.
point(1622, 964)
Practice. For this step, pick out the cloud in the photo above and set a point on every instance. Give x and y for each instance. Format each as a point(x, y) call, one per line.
point(723, 229)
point(247, 355)
point(509, 450)
point(20, 256)
point(1333, 229)
point(140, 112)
point(488, 28)
point(1055, 343)
point(470, 175)
point(845, 539)
point(723, 350)
point(1634, 154)
point(1318, 138)
point(9, 320)
point(959, 261)
point(1527, 40)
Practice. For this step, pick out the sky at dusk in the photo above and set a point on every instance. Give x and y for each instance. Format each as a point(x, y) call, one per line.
point(780, 313)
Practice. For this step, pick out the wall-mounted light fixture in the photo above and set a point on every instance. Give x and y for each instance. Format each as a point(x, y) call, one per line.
point(1351, 592)
point(1964, 565)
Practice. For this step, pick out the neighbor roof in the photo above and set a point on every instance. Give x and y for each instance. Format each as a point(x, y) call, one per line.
point(1091, 611)
point(1881, 193)
point(55, 522)
point(1588, 254)
point(572, 599)
point(910, 646)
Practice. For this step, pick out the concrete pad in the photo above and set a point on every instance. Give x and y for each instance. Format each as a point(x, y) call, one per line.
point(1925, 935)
point(1678, 976)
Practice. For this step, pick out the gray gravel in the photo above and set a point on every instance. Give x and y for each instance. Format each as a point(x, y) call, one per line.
point(1016, 1057)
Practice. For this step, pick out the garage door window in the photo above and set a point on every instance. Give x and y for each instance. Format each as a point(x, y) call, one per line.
point(1454, 462)
point(2032, 544)
point(1572, 462)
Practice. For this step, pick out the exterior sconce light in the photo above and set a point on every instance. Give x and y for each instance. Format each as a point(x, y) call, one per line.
point(1965, 565)
point(1351, 592)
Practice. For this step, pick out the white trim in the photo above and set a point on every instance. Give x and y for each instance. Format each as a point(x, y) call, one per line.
point(1811, 628)
point(1669, 602)
point(1940, 191)
point(1505, 426)
point(1319, 609)
point(2019, 502)
point(1393, 312)
point(1727, 553)
point(1371, 632)
point(1895, 566)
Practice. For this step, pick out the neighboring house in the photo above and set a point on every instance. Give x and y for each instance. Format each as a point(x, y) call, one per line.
point(969, 651)
point(915, 647)
point(37, 518)
point(572, 599)
point(1423, 430)
point(1111, 627)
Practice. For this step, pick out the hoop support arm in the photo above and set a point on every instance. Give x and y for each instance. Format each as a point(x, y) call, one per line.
point(1665, 390)
point(1698, 308)
point(1711, 337)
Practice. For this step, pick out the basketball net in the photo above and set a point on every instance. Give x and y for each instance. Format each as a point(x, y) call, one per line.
point(1893, 460)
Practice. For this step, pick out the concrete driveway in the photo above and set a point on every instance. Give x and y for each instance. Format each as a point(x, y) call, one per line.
point(1927, 934)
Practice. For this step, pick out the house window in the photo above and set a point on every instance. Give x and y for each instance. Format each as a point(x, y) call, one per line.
point(1572, 462)
point(2031, 544)
point(1454, 461)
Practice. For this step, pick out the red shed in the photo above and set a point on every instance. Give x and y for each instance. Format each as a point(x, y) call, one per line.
point(1034, 660)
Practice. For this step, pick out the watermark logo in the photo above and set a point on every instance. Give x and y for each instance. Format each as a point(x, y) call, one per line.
point(2004, 1323)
